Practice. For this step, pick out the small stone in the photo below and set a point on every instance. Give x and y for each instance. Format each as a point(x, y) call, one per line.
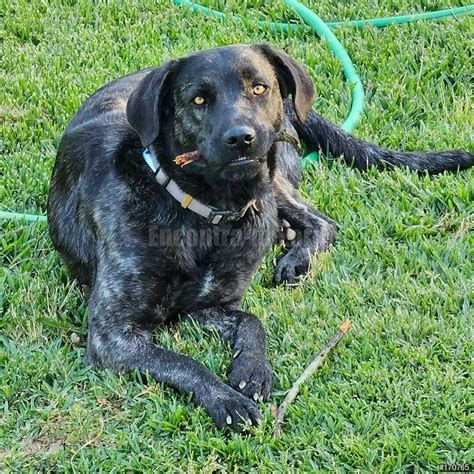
point(290, 234)
point(255, 396)
point(285, 224)
point(242, 384)
point(228, 420)
point(75, 339)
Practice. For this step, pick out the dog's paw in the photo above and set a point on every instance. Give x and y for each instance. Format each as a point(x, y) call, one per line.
point(251, 375)
point(229, 408)
point(290, 267)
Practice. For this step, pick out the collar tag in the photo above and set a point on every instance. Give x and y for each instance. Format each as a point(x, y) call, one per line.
point(150, 160)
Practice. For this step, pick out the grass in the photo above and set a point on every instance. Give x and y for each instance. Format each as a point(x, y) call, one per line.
point(393, 398)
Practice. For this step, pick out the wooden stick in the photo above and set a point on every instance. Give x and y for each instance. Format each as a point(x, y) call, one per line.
point(310, 370)
point(186, 158)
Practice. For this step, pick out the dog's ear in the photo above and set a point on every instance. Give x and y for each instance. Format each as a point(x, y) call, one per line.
point(143, 106)
point(292, 78)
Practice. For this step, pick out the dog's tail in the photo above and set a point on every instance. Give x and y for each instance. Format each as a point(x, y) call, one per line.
point(322, 135)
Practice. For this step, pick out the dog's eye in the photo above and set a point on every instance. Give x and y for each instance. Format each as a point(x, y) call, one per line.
point(259, 89)
point(198, 100)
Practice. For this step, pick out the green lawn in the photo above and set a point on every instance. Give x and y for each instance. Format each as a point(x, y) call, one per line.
point(395, 395)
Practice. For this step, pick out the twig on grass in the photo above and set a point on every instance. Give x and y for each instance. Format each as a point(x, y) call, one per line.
point(92, 440)
point(310, 370)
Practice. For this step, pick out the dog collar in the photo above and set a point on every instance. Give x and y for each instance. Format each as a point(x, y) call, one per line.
point(211, 214)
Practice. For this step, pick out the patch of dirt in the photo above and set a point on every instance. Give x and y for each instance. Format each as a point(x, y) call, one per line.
point(42, 444)
point(13, 114)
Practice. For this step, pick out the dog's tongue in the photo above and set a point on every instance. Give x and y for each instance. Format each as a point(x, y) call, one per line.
point(186, 158)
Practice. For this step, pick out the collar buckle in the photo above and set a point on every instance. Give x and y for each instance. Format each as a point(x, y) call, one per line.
point(217, 217)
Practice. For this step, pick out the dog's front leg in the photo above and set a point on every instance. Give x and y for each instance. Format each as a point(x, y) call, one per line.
point(117, 341)
point(316, 232)
point(250, 372)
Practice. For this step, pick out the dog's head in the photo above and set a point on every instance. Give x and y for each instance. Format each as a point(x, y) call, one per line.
point(225, 103)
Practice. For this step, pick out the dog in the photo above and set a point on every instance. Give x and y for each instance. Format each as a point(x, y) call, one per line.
point(168, 189)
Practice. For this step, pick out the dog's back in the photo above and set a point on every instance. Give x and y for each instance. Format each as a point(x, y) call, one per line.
point(87, 145)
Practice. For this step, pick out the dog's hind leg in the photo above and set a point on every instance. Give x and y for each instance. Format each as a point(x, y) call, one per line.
point(250, 372)
point(118, 341)
point(315, 231)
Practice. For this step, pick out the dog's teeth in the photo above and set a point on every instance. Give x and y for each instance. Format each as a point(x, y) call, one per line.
point(242, 384)
point(228, 420)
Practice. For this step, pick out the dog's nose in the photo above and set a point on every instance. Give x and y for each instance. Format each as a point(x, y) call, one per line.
point(239, 136)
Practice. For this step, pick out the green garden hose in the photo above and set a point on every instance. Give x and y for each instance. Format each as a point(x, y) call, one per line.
point(17, 216)
point(323, 30)
point(318, 25)
point(377, 22)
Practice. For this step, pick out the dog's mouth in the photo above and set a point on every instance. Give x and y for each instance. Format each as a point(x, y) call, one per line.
point(242, 161)
point(238, 168)
point(194, 156)
point(189, 157)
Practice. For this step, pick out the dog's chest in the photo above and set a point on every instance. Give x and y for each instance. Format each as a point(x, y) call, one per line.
point(207, 284)
point(216, 264)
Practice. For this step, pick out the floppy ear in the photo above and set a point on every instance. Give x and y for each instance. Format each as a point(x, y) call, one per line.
point(143, 106)
point(292, 78)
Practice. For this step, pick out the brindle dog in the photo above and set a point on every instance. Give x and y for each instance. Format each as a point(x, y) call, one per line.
point(232, 106)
